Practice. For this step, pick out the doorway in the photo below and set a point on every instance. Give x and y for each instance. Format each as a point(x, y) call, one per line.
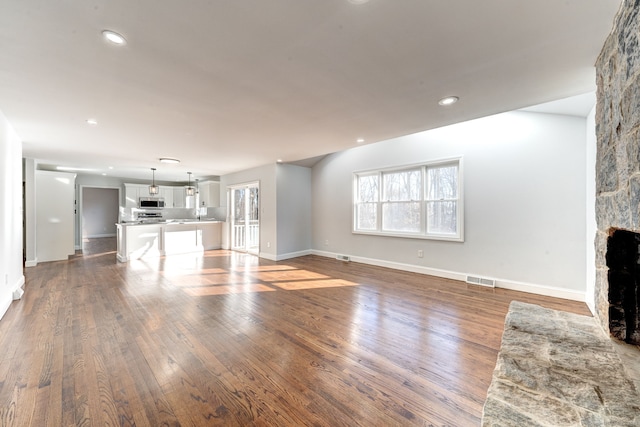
point(245, 217)
point(98, 214)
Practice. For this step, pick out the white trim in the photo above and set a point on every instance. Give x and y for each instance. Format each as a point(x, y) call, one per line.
point(281, 257)
point(424, 233)
point(98, 236)
point(5, 302)
point(293, 255)
point(31, 262)
point(7, 298)
point(531, 288)
point(270, 257)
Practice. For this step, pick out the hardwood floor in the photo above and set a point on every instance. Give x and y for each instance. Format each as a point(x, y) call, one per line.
point(229, 339)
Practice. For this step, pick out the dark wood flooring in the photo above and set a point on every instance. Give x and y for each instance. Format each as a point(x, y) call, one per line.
point(229, 339)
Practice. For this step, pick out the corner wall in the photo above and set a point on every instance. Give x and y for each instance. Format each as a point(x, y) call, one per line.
point(11, 277)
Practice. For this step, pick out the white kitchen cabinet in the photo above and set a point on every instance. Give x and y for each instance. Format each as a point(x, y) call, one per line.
point(132, 192)
point(181, 238)
point(209, 194)
point(211, 235)
point(140, 241)
point(137, 241)
point(178, 197)
point(166, 193)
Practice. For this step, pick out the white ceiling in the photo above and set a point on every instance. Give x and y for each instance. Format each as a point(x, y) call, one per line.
point(229, 85)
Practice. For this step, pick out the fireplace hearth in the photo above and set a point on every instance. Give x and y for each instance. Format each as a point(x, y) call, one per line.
point(622, 257)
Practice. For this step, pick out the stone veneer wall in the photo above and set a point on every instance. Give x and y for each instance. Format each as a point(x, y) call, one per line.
point(618, 139)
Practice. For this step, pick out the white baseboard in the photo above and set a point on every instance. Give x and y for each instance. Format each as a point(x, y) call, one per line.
point(281, 257)
point(6, 296)
point(31, 262)
point(98, 236)
point(531, 288)
point(270, 257)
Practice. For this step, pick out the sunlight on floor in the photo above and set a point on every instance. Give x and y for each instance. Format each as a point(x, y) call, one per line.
point(313, 284)
point(218, 281)
point(226, 290)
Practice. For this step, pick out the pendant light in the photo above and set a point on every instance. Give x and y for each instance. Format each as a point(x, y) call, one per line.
point(153, 188)
point(190, 191)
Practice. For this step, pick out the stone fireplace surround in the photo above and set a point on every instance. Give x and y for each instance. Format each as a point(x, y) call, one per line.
point(618, 143)
point(617, 210)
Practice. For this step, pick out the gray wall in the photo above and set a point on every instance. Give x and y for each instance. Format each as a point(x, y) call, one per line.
point(99, 211)
point(293, 210)
point(524, 194)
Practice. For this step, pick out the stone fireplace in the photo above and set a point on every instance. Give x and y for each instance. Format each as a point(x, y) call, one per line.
point(623, 250)
point(618, 175)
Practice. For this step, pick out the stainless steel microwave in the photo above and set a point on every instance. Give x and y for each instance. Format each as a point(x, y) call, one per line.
point(151, 202)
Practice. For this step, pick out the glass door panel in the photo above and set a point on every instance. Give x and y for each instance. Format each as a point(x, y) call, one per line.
point(245, 220)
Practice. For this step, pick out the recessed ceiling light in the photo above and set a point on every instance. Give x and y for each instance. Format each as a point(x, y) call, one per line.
point(104, 174)
point(360, 140)
point(114, 37)
point(110, 167)
point(449, 100)
point(358, 1)
point(169, 160)
point(92, 122)
point(279, 160)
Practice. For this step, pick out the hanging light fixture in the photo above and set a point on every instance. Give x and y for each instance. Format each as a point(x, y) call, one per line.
point(153, 188)
point(189, 190)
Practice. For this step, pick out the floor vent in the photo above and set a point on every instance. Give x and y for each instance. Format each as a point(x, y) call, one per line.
point(343, 258)
point(474, 280)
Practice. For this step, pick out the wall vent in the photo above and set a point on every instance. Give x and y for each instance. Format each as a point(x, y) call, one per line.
point(343, 258)
point(482, 281)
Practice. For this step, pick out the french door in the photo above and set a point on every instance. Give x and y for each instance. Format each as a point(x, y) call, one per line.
point(244, 202)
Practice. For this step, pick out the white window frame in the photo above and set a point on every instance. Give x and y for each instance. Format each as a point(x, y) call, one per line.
point(424, 233)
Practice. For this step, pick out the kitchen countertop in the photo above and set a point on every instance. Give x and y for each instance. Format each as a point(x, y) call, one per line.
point(170, 222)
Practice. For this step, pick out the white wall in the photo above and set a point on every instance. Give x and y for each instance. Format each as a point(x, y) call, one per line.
point(524, 176)
point(591, 224)
point(55, 218)
point(293, 210)
point(11, 277)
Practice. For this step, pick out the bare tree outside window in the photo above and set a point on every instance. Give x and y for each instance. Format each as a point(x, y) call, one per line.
point(367, 202)
point(419, 200)
point(442, 196)
point(402, 197)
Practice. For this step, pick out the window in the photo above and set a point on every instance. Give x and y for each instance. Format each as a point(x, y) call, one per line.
point(422, 201)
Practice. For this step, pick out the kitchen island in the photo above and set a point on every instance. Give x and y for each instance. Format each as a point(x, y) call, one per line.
point(152, 239)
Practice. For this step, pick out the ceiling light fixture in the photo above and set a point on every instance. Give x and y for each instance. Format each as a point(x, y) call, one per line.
point(449, 100)
point(189, 190)
point(114, 37)
point(169, 160)
point(92, 122)
point(153, 188)
point(360, 140)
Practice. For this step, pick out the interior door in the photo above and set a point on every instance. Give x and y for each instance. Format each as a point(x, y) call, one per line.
point(245, 218)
